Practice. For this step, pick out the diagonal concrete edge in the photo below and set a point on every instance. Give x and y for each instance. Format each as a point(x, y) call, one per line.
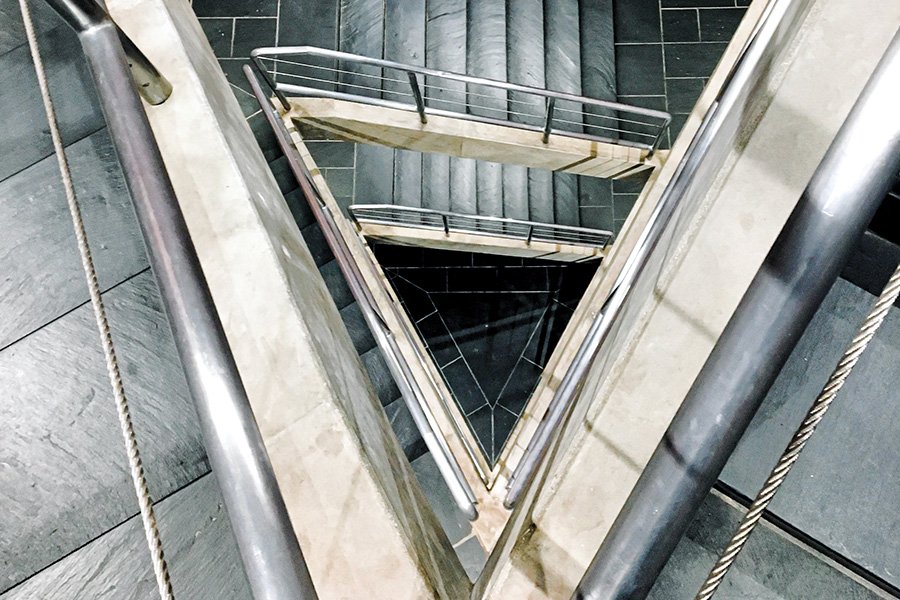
point(363, 523)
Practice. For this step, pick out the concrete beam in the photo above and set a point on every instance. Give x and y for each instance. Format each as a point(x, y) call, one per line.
point(365, 527)
point(469, 139)
point(714, 256)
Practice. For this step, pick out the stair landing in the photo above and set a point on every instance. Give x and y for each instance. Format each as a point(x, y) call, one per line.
point(464, 138)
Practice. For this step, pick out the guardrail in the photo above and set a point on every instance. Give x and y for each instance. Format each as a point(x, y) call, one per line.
point(343, 76)
point(426, 218)
point(271, 556)
point(410, 390)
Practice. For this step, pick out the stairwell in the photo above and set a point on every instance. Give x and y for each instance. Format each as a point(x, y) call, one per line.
point(565, 46)
point(539, 44)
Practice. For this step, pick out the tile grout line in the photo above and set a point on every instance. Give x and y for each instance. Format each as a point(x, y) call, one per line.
point(233, 29)
point(662, 43)
point(123, 522)
point(69, 311)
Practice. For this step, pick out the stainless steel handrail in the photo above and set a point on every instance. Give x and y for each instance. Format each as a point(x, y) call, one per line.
point(622, 113)
point(693, 175)
point(409, 387)
point(81, 16)
point(820, 235)
point(271, 556)
point(392, 214)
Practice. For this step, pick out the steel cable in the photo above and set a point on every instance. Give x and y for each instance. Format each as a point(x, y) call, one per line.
point(160, 568)
point(816, 412)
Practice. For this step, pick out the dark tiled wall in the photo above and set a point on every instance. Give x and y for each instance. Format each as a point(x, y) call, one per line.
point(489, 322)
point(665, 52)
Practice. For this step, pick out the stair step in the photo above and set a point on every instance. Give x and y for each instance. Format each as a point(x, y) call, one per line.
point(405, 428)
point(299, 208)
point(445, 35)
point(358, 328)
point(486, 57)
point(315, 241)
point(336, 284)
point(362, 32)
point(408, 178)
point(598, 80)
point(380, 375)
point(265, 137)
point(463, 188)
point(515, 192)
point(281, 170)
point(374, 169)
point(562, 45)
point(404, 42)
point(529, 192)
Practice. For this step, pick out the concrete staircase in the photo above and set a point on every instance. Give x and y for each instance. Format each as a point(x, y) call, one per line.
point(565, 45)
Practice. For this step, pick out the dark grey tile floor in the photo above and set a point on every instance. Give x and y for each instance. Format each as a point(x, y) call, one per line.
point(67, 506)
point(773, 566)
point(665, 51)
point(489, 322)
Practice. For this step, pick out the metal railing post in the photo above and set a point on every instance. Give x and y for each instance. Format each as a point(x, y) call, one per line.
point(548, 120)
point(417, 95)
point(530, 233)
point(261, 69)
point(446, 224)
point(271, 556)
point(656, 141)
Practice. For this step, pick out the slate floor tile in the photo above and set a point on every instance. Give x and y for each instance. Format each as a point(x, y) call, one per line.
point(693, 60)
point(720, 24)
point(219, 32)
point(683, 93)
point(639, 69)
point(636, 21)
point(252, 33)
point(680, 26)
point(235, 8)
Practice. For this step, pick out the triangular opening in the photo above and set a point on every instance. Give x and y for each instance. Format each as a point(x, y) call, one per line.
point(489, 322)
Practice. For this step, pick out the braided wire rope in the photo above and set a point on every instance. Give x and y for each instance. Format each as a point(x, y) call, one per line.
point(151, 531)
point(816, 412)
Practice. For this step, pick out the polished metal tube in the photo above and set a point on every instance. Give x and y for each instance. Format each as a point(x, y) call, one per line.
point(82, 15)
point(271, 555)
point(843, 195)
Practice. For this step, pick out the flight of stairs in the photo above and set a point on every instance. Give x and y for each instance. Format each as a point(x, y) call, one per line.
point(564, 45)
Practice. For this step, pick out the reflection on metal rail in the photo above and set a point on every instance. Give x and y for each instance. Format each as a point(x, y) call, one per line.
point(268, 547)
point(803, 264)
point(690, 182)
point(340, 75)
point(409, 388)
point(426, 218)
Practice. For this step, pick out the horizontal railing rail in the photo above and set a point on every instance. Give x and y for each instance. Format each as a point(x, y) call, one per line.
point(410, 390)
point(528, 231)
point(344, 76)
